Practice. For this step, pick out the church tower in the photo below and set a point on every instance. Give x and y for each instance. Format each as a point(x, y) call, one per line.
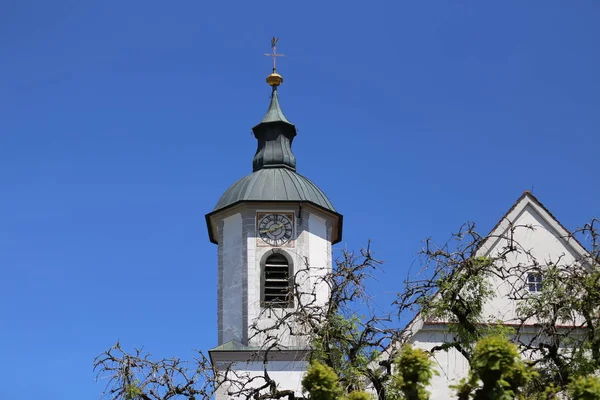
point(269, 226)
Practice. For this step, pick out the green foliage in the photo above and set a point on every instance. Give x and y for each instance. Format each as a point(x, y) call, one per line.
point(460, 299)
point(550, 392)
point(497, 372)
point(321, 382)
point(358, 395)
point(133, 391)
point(584, 388)
point(346, 356)
point(343, 344)
point(569, 297)
point(413, 372)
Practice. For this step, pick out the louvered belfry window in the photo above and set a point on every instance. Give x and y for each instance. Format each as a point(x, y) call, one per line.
point(276, 285)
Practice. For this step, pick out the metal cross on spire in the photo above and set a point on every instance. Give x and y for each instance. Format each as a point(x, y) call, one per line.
point(274, 54)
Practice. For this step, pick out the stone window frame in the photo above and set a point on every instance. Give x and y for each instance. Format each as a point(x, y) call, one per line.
point(263, 263)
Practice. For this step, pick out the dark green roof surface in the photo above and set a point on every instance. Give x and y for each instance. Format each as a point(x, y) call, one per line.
point(274, 113)
point(274, 184)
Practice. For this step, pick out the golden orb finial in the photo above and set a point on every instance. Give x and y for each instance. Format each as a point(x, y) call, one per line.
point(274, 79)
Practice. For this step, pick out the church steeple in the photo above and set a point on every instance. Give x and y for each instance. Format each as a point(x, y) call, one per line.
point(274, 179)
point(274, 112)
point(274, 133)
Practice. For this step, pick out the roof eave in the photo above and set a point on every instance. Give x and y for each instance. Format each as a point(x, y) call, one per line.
point(285, 124)
point(336, 234)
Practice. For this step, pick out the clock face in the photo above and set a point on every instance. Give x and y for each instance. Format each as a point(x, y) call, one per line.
point(275, 229)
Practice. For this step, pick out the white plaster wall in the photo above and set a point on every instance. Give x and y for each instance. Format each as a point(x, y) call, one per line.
point(240, 255)
point(240, 273)
point(287, 374)
point(451, 365)
point(318, 258)
point(310, 245)
point(255, 254)
point(231, 313)
point(252, 305)
point(545, 246)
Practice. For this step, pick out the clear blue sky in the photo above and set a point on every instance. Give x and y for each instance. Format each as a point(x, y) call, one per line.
point(121, 124)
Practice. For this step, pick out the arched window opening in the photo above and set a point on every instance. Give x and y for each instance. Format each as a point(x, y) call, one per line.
point(277, 288)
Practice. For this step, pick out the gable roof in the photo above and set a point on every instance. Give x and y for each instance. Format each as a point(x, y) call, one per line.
point(525, 200)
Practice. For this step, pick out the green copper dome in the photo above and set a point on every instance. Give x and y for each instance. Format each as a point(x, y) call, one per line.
point(274, 177)
point(274, 184)
point(274, 165)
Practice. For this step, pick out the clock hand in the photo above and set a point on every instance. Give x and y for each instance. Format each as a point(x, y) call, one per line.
point(272, 229)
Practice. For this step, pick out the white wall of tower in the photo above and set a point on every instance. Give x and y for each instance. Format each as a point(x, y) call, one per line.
point(231, 272)
point(319, 243)
point(240, 271)
point(308, 252)
point(239, 294)
point(287, 374)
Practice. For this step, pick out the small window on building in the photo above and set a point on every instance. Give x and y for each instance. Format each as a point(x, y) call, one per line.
point(534, 282)
point(277, 291)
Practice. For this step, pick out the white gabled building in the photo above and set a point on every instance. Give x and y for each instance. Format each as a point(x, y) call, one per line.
point(542, 240)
